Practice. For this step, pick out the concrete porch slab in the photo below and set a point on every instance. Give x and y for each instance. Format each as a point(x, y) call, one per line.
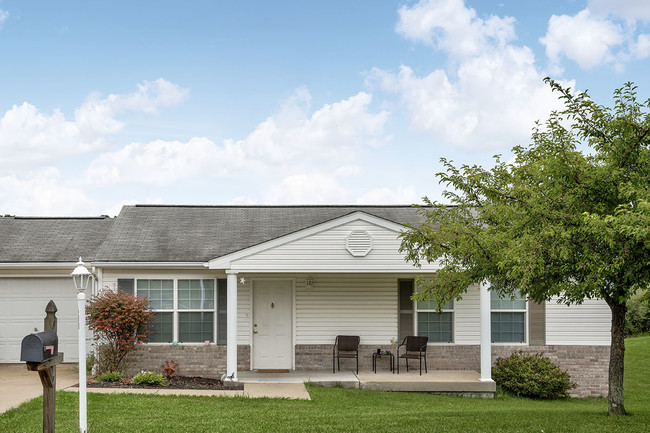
point(346, 379)
point(456, 382)
point(291, 391)
point(460, 382)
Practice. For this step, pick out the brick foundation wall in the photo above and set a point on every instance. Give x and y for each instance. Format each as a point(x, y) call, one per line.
point(588, 366)
point(319, 356)
point(199, 360)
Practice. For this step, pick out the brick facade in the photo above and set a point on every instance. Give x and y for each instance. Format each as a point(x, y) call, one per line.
point(587, 365)
point(194, 360)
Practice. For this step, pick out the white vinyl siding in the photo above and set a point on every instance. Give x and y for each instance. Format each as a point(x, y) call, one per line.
point(326, 252)
point(244, 312)
point(357, 304)
point(468, 318)
point(586, 324)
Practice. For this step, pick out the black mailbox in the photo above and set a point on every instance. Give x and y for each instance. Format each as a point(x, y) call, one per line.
point(39, 347)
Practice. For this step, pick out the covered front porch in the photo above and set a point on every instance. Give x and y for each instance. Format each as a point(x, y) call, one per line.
point(454, 382)
point(288, 298)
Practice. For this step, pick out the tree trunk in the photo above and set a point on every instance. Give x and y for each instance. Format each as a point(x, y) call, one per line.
point(616, 358)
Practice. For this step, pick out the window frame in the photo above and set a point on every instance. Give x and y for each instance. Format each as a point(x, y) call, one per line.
point(416, 311)
point(523, 311)
point(451, 310)
point(175, 308)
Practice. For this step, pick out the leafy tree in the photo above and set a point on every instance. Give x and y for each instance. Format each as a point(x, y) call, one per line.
point(568, 217)
point(120, 322)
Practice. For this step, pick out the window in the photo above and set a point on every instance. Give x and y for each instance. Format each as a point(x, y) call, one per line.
point(508, 319)
point(185, 308)
point(196, 310)
point(439, 327)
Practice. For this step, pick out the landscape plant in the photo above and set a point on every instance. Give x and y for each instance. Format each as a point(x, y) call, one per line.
point(148, 378)
point(531, 375)
point(349, 410)
point(119, 322)
point(638, 314)
point(109, 376)
point(565, 219)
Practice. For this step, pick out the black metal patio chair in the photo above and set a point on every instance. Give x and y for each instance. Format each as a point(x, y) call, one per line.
point(416, 348)
point(345, 346)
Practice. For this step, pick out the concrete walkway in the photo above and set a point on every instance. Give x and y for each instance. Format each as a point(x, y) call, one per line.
point(18, 385)
point(291, 391)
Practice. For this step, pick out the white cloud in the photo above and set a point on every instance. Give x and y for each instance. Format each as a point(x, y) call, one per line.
point(628, 9)
point(43, 193)
point(307, 188)
point(490, 94)
point(403, 195)
point(583, 38)
point(28, 135)
point(158, 162)
point(641, 48)
point(452, 27)
point(290, 141)
point(3, 17)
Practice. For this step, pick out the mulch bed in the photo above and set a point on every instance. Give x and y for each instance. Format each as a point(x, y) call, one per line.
point(176, 382)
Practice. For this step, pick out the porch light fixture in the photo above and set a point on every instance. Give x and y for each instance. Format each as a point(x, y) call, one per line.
point(81, 277)
point(309, 283)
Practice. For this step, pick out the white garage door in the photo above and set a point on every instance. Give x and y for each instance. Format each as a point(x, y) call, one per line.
point(22, 310)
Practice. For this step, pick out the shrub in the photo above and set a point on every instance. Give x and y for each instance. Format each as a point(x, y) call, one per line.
point(531, 375)
point(148, 378)
point(638, 313)
point(119, 322)
point(109, 376)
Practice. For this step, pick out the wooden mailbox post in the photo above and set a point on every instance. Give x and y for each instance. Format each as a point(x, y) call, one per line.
point(34, 351)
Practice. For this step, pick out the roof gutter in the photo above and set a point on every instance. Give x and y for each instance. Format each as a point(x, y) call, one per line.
point(39, 265)
point(150, 265)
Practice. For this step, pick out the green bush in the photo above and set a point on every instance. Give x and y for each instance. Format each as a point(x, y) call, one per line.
point(531, 375)
point(148, 378)
point(638, 314)
point(109, 376)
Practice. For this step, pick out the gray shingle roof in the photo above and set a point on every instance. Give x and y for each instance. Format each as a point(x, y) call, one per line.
point(157, 233)
point(26, 239)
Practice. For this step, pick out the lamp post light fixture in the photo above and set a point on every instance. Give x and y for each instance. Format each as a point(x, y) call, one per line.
point(81, 277)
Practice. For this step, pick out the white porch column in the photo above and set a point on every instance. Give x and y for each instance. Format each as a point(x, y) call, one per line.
point(231, 335)
point(486, 333)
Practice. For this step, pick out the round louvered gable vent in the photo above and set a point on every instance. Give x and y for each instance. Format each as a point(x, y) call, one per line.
point(358, 243)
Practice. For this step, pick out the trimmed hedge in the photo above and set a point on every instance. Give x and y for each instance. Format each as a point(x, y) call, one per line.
point(531, 375)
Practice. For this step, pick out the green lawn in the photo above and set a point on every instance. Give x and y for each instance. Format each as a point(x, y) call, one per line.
point(335, 409)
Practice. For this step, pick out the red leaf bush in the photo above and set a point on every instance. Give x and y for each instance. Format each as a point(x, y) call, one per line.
point(120, 322)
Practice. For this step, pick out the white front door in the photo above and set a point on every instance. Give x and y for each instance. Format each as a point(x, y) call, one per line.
point(272, 336)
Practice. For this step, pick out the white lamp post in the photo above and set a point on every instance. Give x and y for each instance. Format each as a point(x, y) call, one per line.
point(81, 277)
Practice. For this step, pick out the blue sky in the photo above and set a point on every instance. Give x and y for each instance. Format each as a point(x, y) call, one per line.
point(286, 102)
